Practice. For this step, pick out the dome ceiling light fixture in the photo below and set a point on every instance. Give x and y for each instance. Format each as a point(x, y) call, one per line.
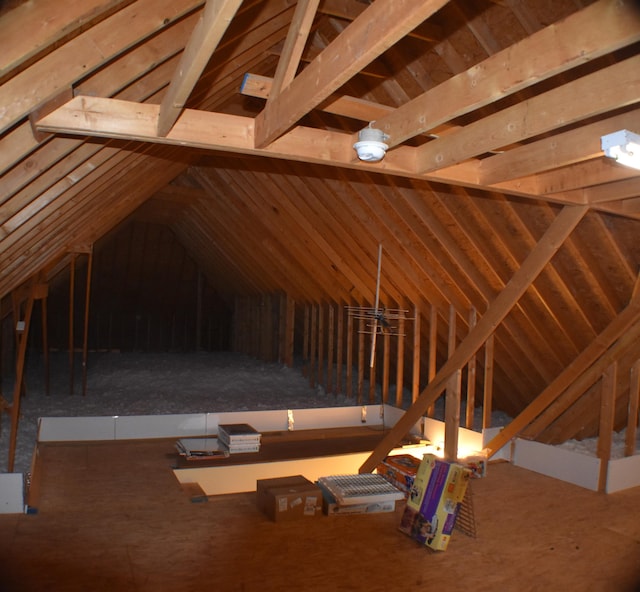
point(370, 145)
point(622, 146)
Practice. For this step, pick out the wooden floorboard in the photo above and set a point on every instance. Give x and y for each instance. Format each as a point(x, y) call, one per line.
point(112, 516)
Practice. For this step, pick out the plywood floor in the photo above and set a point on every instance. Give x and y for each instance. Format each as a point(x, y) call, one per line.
point(112, 517)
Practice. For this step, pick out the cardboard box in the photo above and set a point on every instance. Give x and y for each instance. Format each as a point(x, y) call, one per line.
point(434, 502)
point(477, 464)
point(400, 470)
point(421, 481)
point(288, 498)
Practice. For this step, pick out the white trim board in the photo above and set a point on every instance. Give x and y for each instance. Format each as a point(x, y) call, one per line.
point(565, 465)
point(623, 473)
point(11, 493)
point(576, 467)
point(134, 427)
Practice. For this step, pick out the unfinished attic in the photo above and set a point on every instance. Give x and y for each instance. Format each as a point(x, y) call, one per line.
point(427, 207)
point(182, 175)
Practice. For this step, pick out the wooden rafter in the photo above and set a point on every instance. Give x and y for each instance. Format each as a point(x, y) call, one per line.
point(450, 244)
point(216, 17)
point(218, 131)
point(28, 89)
point(375, 30)
point(294, 45)
point(602, 91)
point(573, 374)
point(255, 85)
point(351, 9)
point(541, 254)
point(594, 31)
point(563, 149)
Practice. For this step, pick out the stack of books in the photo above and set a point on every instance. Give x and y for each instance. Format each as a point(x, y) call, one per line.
point(201, 448)
point(239, 437)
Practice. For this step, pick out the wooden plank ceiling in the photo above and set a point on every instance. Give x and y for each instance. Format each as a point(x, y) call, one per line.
point(233, 123)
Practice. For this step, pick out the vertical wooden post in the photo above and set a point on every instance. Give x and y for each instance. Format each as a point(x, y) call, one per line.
point(349, 360)
point(634, 400)
point(85, 337)
point(289, 331)
point(607, 417)
point(433, 350)
point(72, 282)
point(242, 326)
point(372, 382)
point(45, 346)
point(360, 360)
point(452, 398)
point(273, 316)
point(282, 327)
point(22, 333)
point(385, 367)
point(330, 347)
point(415, 384)
point(256, 326)
point(339, 348)
point(265, 333)
point(321, 340)
point(235, 327)
point(487, 400)
point(250, 320)
point(306, 338)
point(471, 376)
point(400, 363)
point(312, 345)
point(199, 288)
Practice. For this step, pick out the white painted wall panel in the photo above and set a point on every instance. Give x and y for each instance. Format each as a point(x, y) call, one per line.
point(11, 493)
point(132, 427)
point(76, 429)
point(552, 461)
point(623, 473)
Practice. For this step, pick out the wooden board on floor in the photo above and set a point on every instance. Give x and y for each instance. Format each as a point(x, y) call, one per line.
point(113, 517)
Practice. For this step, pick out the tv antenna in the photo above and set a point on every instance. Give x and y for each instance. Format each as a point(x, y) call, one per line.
point(379, 320)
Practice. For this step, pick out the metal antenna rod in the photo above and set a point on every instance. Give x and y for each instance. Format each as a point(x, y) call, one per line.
point(375, 310)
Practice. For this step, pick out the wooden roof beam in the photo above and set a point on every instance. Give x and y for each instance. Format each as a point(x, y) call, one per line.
point(351, 9)
point(97, 46)
point(380, 26)
point(605, 90)
point(625, 345)
point(563, 149)
point(214, 131)
point(531, 267)
point(48, 24)
point(594, 31)
point(606, 193)
point(618, 328)
point(255, 85)
point(218, 131)
point(211, 26)
point(294, 46)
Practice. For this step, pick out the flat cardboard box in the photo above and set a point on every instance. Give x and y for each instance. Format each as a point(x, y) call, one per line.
point(288, 498)
point(400, 470)
point(477, 464)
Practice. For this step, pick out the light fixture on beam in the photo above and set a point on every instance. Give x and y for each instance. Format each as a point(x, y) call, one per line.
point(370, 145)
point(623, 146)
